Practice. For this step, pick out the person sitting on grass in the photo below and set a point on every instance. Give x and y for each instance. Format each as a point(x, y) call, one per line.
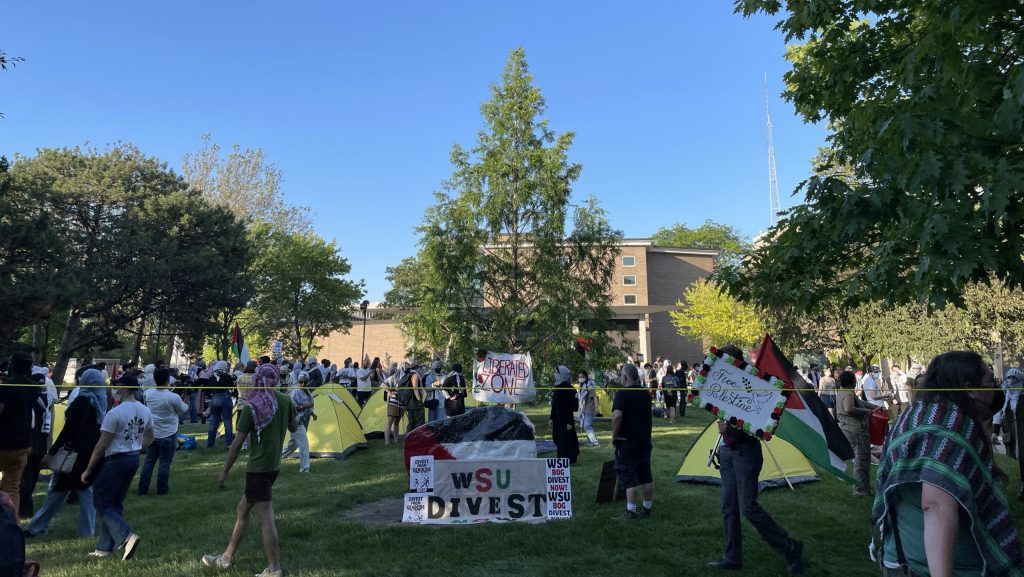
point(126, 430)
point(265, 415)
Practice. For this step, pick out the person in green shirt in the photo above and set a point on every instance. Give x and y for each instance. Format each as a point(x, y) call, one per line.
point(265, 416)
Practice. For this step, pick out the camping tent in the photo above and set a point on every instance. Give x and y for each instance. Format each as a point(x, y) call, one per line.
point(695, 468)
point(374, 416)
point(604, 402)
point(336, 432)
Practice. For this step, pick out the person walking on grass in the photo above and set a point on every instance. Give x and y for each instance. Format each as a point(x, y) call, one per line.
point(80, 433)
point(303, 402)
point(126, 430)
point(265, 415)
point(588, 406)
point(17, 396)
point(631, 437)
point(741, 459)
point(166, 407)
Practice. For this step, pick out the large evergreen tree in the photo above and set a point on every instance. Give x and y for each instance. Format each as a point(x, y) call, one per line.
point(500, 268)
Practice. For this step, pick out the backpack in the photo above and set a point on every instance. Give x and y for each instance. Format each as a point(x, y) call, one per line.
point(405, 392)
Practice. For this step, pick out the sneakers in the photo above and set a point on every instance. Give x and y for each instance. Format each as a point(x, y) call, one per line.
point(795, 558)
point(859, 492)
point(645, 512)
point(99, 554)
point(630, 515)
point(217, 561)
point(131, 545)
point(724, 565)
point(268, 573)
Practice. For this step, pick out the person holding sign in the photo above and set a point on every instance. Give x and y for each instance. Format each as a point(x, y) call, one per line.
point(631, 436)
point(741, 459)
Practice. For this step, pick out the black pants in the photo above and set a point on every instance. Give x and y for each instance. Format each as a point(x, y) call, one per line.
point(29, 478)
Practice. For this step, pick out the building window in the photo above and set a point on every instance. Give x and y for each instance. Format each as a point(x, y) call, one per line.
point(629, 280)
point(629, 299)
point(629, 261)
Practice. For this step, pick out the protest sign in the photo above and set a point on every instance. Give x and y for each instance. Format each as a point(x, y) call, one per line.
point(466, 492)
point(740, 393)
point(503, 378)
point(421, 474)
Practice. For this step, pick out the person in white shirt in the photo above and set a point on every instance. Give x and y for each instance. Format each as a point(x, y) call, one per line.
point(126, 430)
point(872, 387)
point(347, 375)
point(364, 388)
point(166, 407)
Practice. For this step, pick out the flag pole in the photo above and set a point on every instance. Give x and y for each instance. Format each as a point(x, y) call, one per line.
point(777, 464)
point(711, 458)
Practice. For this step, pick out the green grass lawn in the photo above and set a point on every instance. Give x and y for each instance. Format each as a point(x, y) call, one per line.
point(684, 533)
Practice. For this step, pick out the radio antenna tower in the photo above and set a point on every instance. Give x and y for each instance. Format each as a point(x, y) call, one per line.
point(773, 181)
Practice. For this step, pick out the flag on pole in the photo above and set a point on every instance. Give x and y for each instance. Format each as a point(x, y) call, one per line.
point(806, 423)
point(238, 346)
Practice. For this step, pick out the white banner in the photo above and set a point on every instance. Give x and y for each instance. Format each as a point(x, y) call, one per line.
point(732, 389)
point(466, 492)
point(504, 378)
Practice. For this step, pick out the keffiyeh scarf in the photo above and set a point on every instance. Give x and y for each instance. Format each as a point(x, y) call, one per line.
point(939, 444)
point(261, 400)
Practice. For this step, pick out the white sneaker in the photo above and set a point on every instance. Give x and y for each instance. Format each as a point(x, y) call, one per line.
point(100, 554)
point(131, 545)
point(268, 573)
point(218, 561)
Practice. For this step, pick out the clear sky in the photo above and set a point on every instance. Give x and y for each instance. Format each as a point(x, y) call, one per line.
point(359, 103)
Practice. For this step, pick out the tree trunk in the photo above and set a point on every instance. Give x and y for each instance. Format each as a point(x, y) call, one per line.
point(169, 353)
point(137, 347)
point(67, 342)
point(39, 343)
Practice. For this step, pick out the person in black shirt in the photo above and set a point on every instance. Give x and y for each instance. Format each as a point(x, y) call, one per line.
point(740, 458)
point(16, 424)
point(631, 436)
point(563, 425)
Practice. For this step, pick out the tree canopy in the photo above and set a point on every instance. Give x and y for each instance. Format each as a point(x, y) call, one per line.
point(925, 101)
point(731, 243)
point(711, 314)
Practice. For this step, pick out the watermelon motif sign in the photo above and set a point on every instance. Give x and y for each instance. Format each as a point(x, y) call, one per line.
point(738, 392)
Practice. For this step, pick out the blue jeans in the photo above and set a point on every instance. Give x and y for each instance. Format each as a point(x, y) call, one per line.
point(109, 492)
point(741, 466)
point(162, 449)
point(54, 500)
point(220, 412)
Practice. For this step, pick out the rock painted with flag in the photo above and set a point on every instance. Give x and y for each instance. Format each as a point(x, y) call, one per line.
point(482, 433)
point(805, 423)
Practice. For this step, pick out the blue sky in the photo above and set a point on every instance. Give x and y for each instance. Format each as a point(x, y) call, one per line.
point(359, 103)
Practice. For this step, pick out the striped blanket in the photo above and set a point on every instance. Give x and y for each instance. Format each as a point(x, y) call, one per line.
point(939, 444)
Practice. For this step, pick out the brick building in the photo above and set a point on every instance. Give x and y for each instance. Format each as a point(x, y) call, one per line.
point(649, 280)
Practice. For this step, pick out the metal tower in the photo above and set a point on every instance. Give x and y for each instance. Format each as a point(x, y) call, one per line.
point(773, 182)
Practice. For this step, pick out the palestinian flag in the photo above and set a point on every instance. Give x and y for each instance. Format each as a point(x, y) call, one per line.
point(806, 423)
point(238, 346)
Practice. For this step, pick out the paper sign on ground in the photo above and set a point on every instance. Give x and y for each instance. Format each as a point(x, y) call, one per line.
point(421, 474)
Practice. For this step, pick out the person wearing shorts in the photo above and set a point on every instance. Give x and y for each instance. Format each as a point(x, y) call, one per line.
point(265, 416)
point(631, 436)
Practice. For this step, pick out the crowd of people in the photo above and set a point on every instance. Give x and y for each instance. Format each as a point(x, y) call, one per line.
point(940, 507)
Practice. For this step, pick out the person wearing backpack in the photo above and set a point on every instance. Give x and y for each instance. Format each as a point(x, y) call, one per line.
point(394, 405)
point(455, 385)
point(563, 406)
point(410, 396)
